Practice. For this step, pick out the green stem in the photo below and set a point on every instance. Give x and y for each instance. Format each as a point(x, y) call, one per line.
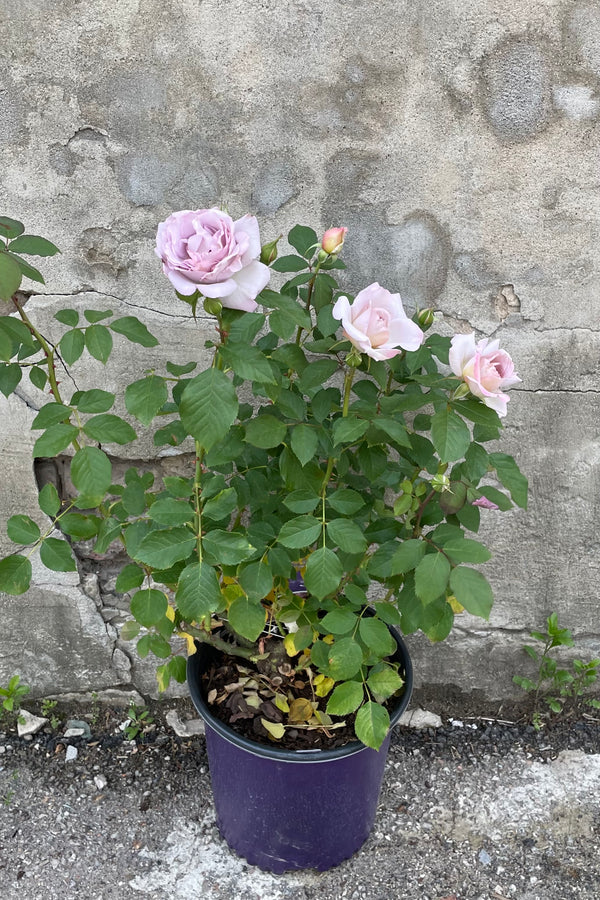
point(197, 498)
point(347, 387)
point(205, 637)
point(311, 285)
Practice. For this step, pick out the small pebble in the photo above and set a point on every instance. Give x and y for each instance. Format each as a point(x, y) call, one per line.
point(71, 753)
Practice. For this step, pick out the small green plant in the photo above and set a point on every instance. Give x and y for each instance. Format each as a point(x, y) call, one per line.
point(139, 719)
point(95, 710)
point(557, 685)
point(11, 696)
point(48, 707)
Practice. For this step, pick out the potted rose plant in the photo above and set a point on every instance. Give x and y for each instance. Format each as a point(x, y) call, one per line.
point(337, 467)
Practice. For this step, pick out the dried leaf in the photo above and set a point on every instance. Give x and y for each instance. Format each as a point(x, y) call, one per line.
point(276, 729)
point(212, 695)
point(301, 710)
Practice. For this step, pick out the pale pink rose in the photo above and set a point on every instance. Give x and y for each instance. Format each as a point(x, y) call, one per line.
point(333, 240)
point(484, 503)
point(207, 251)
point(485, 369)
point(376, 323)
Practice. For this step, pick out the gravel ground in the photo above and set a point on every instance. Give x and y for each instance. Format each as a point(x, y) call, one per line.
point(473, 810)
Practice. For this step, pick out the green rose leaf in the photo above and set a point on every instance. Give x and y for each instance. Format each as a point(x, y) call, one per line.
point(34, 245)
point(91, 473)
point(256, 580)
point(48, 500)
point(57, 555)
point(10, 276)
point(162, 549)
point(372, 724)
point(80, 527)
point(451, 437)
point(339, 621)
point(10, 228)
point(248, 362)
point(346, 535)
point(15, 574)
point(71, 345)
point(109, 429)
point(323, 573)
point(144, 398)
point(134, 330)
point(168, 511)
point(50, 414)
point(265, 431)
point(94, 401)
point(22, 530)
point(472, 591)
point(344, 659)
point(300, 532)
point(68, 317)
point(511, 477)
point(221, 506)
point(431, 576)
point(304, 443)
point(148, 607)
point(408, 556)
point(301, 501)
point(377, 636)
point(384, 682)
point(346, 697)
point(247, 617)
point(10, 376)
point(345, 501)
point(54, 440)
point(226, 548)
point(99, 342)
point(198, 592)
point(130, 576)
point(348, 430)
point(208, 407)
point(303, 239)
point(466, 550)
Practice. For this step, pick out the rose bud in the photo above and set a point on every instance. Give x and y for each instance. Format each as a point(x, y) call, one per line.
point(333, 240)
point(268, 252)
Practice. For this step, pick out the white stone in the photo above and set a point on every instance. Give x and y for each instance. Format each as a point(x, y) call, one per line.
point(420, 719)
point(31, 723)
point(71, 753)
point(189, 728)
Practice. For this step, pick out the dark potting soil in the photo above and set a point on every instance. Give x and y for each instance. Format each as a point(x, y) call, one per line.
point(244, 697)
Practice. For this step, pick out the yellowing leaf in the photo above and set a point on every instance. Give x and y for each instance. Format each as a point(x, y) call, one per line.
point(301, 710)
point(191, 644)
point(276, 729)
point(324, 686)
point(281, 703)
point(328, 639)
point(318, 678)
point(288, 643)
point(170, 613)
point(455, 605)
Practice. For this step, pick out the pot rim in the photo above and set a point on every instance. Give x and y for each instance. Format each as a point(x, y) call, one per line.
point(318, 755)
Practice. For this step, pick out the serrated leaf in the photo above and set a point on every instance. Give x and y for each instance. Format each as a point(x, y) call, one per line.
point(301, 501)
point(339, 621)
point(34, 245)
point(346, 535)
point(10, 376)
point(168, 511)
point(344, 659)
point(129, 630)
point(208, 407)
point(163, 548)
point(68, 317)
point(134, 330)
point(511, 477)
point(304, 442)
point(265, 431)
point(431, 576)
point(91, 473)
point(289, 263)
point(198, 592)
point(22, 530)
point(15, 574)
point(38, 377)
point(248, 362)
point(451, 437)
point(94, 401)
point(256, 580)
point(10, 276)
point(144, 398)
point(80, 527)
point(300, 532)
point(221, 506)
point(472, 591)
point(148, 607)
point(57, 555)
point(345, 698)
point(372, 724)
point(408, 556)
point(54, 440)
point(384, 683)
point(348, 430)
point(226, 548)
point(247, 617)
point(345, 501)
point(130, 576)
point(324, 572)
point(99, 342)
point(48, 500)
point(71, 345)
point(377, 636)
point(10, 228)
point(109, 429)
point(303, 239)
point(466, 550)
point(183, 369)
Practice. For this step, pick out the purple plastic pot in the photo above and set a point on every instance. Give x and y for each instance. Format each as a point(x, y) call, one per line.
point(285, 809)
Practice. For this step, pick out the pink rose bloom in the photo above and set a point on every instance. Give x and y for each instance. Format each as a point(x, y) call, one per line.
point(333, 240)
point(484, 503)
point(207, 251)
point(376, 323)
point(485, 369)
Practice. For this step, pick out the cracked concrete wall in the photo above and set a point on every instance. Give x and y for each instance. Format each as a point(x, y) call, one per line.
point(458, 141)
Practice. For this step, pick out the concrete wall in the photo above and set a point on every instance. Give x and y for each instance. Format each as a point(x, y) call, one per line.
point(457, 139)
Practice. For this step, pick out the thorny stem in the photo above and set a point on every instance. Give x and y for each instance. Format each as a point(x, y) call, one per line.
point(311, 285)
point(347, 388)
point(421, 511)
point(206, 637)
